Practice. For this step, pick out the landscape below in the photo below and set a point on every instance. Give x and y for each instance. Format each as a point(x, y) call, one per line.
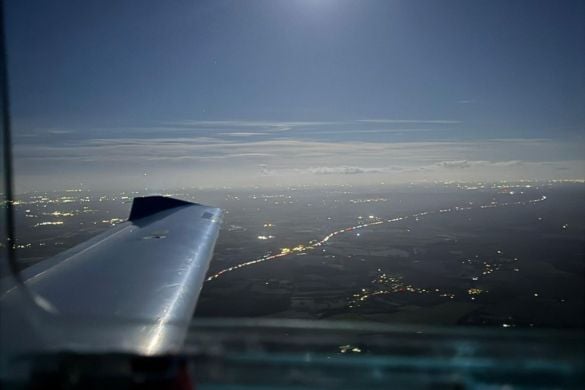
point(498, 254)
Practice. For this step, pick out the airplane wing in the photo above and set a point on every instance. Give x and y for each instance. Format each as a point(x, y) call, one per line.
point(132, 288)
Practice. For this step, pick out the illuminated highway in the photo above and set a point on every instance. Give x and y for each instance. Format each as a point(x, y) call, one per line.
point(312, 245)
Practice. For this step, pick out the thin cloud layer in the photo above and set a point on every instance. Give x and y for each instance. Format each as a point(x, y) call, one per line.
point(342, 170)
point(413, 121)
point(248, 160)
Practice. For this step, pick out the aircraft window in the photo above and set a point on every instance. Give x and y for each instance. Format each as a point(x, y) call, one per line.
point(292, 165)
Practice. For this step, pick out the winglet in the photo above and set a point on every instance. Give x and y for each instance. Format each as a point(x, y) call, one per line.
point(149, 205)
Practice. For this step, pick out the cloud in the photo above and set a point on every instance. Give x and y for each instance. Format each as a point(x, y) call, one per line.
point(243, 134)
point(342, 170)
point(251, 161)
point(511, 163)
point(222, 130)
point(42, 132)
point(275, 126)
point(296, 153)
point(414, 121)
point(463, 164)
point(455, 164)
point(264, 127)
point(60, 131)
point(372, 131)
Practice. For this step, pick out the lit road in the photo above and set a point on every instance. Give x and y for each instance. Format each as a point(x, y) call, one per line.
point(312, 245)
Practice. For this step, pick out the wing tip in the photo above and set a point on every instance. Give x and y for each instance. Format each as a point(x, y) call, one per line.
point(145, 206)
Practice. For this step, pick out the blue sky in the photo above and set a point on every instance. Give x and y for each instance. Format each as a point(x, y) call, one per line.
point(308, 91)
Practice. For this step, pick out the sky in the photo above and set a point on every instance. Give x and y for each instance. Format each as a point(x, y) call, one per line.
point(163, 94)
